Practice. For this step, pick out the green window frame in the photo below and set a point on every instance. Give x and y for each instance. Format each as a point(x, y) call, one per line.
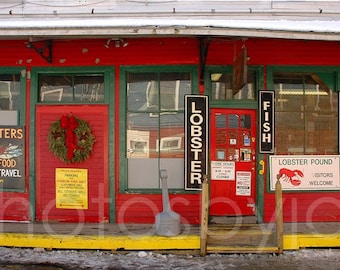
point(13, 95)
point(152, 125)
point(222, 76)
point(72, 85)
point(309, 95)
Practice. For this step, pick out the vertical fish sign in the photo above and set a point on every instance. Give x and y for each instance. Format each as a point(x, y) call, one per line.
point(197, 140)
point(266, 112)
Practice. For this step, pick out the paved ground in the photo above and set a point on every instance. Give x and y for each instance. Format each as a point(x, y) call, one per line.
point(40, 259)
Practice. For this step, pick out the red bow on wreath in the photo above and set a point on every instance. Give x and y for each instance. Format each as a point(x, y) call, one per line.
point(69, 123)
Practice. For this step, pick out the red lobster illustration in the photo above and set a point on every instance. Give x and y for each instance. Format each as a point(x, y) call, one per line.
point(292, 176)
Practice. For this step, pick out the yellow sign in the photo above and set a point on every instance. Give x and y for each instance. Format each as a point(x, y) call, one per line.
point(71, 188)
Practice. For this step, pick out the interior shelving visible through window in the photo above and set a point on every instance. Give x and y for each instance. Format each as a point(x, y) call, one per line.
point(306, 113)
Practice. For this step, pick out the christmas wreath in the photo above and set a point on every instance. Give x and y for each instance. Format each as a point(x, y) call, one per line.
point(70, 139)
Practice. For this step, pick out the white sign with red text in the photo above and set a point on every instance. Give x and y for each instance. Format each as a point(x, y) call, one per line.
point(305, 172)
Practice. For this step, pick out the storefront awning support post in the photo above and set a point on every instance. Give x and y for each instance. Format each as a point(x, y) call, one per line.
point(279, 215)
point(204, 216)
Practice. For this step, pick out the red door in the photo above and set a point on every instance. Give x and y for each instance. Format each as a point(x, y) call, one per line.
point(233, 154)
point(96, 186)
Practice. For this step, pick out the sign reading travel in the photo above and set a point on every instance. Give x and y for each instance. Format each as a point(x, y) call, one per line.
point(196, 133)
point(12, 158)
point(305, 172)
point(266, 112)
point(71, 188)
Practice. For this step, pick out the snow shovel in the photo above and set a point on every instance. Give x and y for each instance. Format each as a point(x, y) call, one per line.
point(167, 222)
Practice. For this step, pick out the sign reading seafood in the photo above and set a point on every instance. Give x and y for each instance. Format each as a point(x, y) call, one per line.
point(12, 158)
point(305, 172)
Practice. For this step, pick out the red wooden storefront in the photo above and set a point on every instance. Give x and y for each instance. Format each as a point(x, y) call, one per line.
point(106, 201)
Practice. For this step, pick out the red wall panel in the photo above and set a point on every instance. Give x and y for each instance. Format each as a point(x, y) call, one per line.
point(97, 165)
point(143, 208)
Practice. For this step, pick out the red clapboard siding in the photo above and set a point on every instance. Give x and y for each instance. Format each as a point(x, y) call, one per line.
point(97, 165)
point(143, 208)
point(304, 206)
point(276, 52)
point(14, 206)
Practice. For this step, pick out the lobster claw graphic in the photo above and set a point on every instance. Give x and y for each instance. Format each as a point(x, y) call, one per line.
point(291, 176)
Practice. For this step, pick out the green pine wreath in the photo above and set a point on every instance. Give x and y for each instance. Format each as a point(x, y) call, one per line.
point(57, 137)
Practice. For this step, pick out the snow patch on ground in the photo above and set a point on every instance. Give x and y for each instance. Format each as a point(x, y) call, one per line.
point(74, 259)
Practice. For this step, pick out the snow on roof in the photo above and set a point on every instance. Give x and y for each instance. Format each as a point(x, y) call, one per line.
point(292, 19)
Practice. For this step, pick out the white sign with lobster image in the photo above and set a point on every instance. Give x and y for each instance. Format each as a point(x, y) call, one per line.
point(305, 172)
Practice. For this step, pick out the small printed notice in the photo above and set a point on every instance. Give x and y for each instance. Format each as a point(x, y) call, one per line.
point(71, 188)
point(243, 183)
point(222, 170)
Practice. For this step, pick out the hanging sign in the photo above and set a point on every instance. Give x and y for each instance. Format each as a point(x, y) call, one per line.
point(196, 133)
point(12, 158)
point(240, 70)
point(266, 115)
point(71, 188)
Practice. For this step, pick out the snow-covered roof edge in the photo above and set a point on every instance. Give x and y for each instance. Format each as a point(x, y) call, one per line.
point(103, 27)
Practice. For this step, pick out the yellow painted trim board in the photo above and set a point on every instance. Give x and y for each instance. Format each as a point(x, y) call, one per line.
point(148, 242)
point(297, 241)
point(99, 242)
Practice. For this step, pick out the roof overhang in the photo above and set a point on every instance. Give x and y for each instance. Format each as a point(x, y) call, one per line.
point(132, 27)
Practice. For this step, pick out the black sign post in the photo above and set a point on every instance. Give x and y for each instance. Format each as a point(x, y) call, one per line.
point(12, 158)
point(196, 143)
point(266, 112)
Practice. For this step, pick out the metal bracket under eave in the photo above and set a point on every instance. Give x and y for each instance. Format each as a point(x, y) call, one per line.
point(204, 46)
point(44, 51)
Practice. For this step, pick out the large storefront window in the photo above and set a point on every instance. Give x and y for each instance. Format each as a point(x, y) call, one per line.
point(11, 93)
point(155, 127)
point(306, 113)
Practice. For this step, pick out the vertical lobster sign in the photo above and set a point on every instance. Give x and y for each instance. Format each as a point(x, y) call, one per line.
point(196, 143)
point(266, 112)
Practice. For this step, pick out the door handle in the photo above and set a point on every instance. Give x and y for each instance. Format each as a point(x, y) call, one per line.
point(261, 171)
